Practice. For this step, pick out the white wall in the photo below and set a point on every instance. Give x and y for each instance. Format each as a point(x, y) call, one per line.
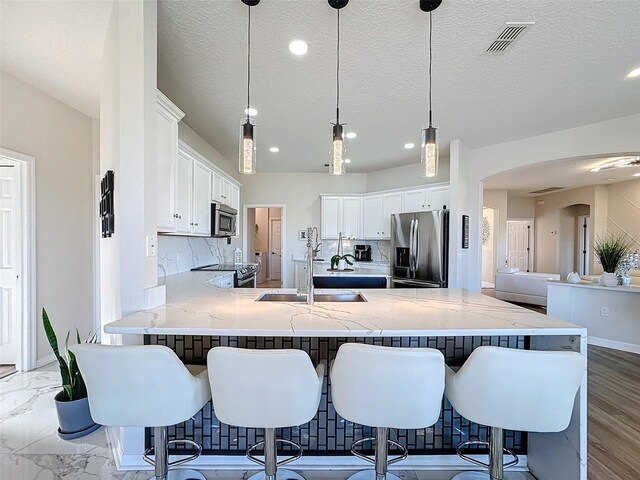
point(520, 207)
point(301, 195)
point(60, 139)
point(405, 176)
point(127, 146)
point(623, 213)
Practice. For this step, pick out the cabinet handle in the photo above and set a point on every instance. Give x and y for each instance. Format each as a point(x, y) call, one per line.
point(175, 215)
point(196, 224)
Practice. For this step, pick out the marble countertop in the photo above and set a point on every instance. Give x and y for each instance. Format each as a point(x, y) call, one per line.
point(595, 286)
point(197, 307)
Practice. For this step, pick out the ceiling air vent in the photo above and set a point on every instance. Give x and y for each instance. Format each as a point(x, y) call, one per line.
point(548, 190)
point(511, 32)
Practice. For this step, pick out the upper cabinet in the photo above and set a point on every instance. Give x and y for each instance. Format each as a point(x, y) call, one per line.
point(187, 182)
point(341, 215)
point(167, 118)
point(368, 216)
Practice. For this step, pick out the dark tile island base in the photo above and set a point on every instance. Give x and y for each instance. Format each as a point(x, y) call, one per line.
point(328, 433)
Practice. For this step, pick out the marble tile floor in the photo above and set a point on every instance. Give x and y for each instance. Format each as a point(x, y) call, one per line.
point(31, 450)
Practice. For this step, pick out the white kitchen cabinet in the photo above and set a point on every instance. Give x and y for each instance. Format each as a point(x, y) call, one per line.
point(437, 197)
point(371, 217)
point(352, 217)
point(377, 210)
point(216, 187)
point(391, 203)
point(184, 188)
point(201, 218)
point(331, 222)
point(167, 118)
point(235, 197)
point(341, 215)
point(415, 200)
point(224, 281)
point(300, 274)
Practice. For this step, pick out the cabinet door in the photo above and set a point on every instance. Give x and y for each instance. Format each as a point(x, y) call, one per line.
point(352, 217)
point(226, 192)
point(201, 218)
point(235, 197)
point(415, 200)
point(216, 187)
point(166, 152)
point(438, 197)
point(300, 278)
point(391, 203)
point(331, 221)
point(371, 217)
point(184, 180)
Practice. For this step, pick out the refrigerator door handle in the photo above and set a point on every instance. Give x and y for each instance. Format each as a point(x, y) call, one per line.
point(416, 246)
point(411, 253)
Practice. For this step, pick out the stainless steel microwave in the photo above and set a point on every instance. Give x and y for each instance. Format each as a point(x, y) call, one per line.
point(223, 220)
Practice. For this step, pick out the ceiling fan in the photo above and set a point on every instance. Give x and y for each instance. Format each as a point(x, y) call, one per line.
point(618, 162)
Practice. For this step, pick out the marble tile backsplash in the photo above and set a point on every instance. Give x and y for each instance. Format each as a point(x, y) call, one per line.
point(379, 248)
point(181, 254)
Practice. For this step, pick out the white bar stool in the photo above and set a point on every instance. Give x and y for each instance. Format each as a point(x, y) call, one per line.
point(505, 388)
point(145, 386)
point(265, 389)
point(386, 387)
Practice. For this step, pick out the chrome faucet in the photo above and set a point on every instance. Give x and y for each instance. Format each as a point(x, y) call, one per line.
point(310, 255)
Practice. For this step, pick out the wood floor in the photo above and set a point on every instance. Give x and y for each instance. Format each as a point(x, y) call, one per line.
point(271, 284)
point(614, 414)
point(6, 370)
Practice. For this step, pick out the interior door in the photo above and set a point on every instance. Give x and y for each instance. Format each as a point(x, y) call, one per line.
point(518, 245)
point(584, 241)
point(276, 249)
point(10, 257)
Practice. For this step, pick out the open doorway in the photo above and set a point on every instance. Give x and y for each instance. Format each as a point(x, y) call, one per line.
point(17, 268)
point(264, 243)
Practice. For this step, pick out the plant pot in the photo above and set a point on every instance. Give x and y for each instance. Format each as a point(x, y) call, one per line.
point(608, 279)
point(74, 417)
point(573, 277)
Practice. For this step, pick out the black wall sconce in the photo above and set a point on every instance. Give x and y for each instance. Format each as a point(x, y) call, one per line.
point(106, 204)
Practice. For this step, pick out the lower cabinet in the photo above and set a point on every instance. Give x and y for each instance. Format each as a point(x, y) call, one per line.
point(300, 274)
point(224, 281)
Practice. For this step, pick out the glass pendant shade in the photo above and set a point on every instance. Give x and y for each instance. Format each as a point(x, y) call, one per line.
point(247, 161)
point(336, 166)
point(429, 152)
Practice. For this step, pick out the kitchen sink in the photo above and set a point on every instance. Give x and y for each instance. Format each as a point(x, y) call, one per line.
point(318, 297)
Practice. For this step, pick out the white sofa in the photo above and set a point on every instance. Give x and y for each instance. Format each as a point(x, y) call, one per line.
point(513, 285)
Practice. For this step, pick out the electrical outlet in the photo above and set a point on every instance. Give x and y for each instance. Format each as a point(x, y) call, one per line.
point(151, 245)
point(604, 311)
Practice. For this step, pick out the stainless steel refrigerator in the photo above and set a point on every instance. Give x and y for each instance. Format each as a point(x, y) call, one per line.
point(420, 249)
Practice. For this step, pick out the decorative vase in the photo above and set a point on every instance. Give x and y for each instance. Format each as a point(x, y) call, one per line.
point(624, 279)
point(608, 279)
point(573, 277)
point(74, 417)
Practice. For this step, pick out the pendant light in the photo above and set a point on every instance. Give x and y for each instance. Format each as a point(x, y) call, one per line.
point(247, 153)
point(429, 147)
point(336, 164)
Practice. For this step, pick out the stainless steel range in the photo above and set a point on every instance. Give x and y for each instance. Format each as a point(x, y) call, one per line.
point(245, 274)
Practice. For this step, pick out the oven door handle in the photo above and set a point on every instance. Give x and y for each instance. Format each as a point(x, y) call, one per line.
point(246, 280)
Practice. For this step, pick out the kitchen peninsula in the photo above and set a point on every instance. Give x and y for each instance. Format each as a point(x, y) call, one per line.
point(199, 315)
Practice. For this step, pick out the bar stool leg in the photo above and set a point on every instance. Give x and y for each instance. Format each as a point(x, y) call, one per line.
point(496, 454)
point(270, 454)
point(161, 451)
point(382, 436)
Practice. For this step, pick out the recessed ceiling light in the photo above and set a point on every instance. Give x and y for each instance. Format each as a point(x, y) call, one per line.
point(636, 174)
point(634, 73)
point(608, 179)
point(347, 160)
point(298, 47)
point(351, 135)
point(594, 170)
point(409, 146)
point(274, 149)
point(252, 112)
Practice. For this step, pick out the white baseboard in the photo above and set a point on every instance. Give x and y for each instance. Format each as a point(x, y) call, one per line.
point(615, 344)
point(45, 361)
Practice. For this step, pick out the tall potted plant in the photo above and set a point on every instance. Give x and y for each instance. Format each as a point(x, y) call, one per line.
point(72, 404)
point(609, 250)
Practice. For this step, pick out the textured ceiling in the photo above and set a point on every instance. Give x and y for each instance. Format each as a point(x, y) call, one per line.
point(56, 46)
point(573, 173)
point(568, 70)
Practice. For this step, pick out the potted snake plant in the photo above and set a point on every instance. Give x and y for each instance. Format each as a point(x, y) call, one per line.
point(72, 404)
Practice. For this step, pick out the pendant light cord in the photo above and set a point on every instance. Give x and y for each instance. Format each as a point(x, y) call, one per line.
point(249, 63)
point(338, 74)
point(430, 36)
